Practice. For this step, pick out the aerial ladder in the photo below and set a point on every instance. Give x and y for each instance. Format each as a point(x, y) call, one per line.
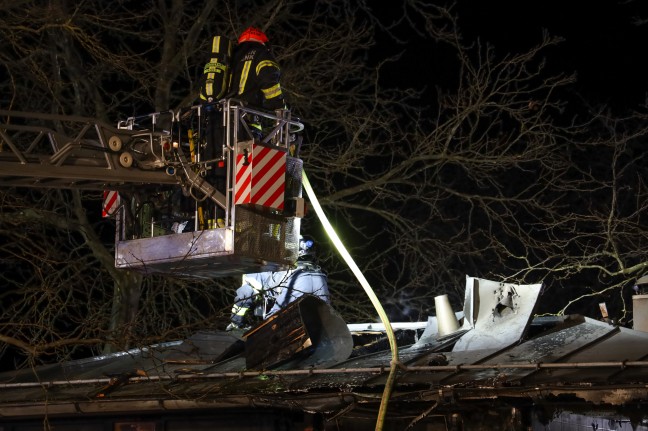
point(192, 192)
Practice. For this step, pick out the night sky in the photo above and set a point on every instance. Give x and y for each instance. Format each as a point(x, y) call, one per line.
point(603, 44)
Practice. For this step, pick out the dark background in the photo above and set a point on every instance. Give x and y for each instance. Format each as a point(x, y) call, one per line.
point(605, 41)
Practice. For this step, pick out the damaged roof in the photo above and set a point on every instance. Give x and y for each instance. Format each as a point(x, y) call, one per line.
point(500, 352)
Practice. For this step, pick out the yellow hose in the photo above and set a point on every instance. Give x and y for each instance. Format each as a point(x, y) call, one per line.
point(332, 234)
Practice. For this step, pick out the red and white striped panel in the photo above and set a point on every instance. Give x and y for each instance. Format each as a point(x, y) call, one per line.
point(243, 182)
point(263, 180)
point(268, 177)
point(111, 202)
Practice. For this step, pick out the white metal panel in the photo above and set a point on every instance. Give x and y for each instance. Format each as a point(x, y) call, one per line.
point(496, 314)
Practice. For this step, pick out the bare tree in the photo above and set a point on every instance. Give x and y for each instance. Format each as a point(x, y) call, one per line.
point(500, 171)
point(489, 166)
point(107, 61)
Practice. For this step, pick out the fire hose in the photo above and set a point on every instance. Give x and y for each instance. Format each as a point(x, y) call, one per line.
point(337, 242)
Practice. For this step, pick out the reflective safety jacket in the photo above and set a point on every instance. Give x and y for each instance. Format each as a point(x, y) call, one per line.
point(282, 287)
point(216, 74)
point(255, 77)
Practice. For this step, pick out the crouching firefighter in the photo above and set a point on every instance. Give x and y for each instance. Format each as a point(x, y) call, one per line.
point(271, 291)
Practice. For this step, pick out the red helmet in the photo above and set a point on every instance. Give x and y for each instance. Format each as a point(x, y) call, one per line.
point(253, 34)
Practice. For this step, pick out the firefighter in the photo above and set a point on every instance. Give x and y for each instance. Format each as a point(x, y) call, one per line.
point(641, 285)
point(216, 74)
point(256, 75)
point(214, 85)
point(273, 291)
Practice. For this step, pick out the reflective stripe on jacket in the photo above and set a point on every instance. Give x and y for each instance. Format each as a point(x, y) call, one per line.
point(255, 77)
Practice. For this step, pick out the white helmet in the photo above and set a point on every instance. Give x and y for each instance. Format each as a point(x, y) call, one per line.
point(306, 248)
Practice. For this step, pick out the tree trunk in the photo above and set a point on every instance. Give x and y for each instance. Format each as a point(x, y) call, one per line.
point(125, 305)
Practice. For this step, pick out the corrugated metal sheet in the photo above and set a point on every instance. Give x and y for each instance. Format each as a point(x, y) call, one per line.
point(587, 362)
